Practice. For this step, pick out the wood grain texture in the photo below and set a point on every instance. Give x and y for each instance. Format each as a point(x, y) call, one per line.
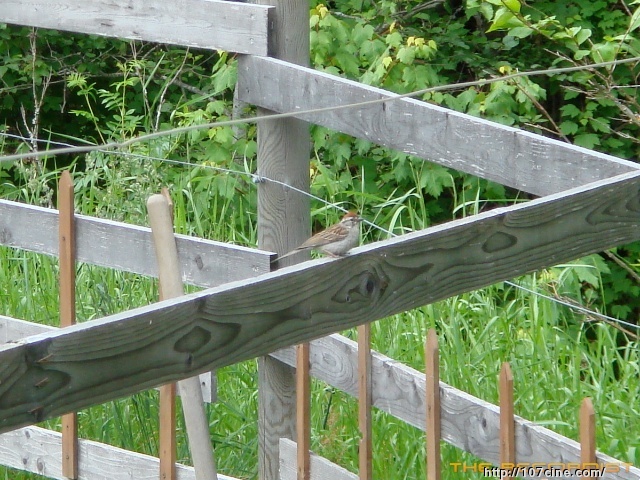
point(283, 222)
point(107, 358)
point(37, 450)
point(507, 424)
point(205, 263)
point(587, 424)
point(67, 281)
point(303, 411)
point(167, 444)
point(12, 330)
point(321, 468)
point(506, 155)
point(212, 24)
point(365, 447)
point(468, 422)
point(432, 405)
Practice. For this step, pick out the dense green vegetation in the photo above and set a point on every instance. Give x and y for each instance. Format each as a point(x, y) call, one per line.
point(57, 88)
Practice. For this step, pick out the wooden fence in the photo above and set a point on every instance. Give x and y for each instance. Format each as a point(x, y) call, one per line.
point(589, 202)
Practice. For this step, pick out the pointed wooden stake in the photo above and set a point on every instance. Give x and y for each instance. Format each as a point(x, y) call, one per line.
point(303, 411)
point(433, 405)
point(66, 238)
point(507, 422)
point(167, 433)
point(588, 435)
point(365, 452)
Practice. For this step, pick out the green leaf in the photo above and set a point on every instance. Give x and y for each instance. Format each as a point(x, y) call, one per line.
point(406, 55)
point(568, 128)
point(635, 20)
point(521, 32)
point(587, 140)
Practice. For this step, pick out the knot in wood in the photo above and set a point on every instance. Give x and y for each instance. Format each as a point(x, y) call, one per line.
point(366, 287)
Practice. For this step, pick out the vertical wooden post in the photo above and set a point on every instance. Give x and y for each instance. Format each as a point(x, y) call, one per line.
point(283, 223)
point(303, 411)
point(587, 435)
point(67, 242)
point(167, 432)
point(507, 423)
point(433, 405)
point(364, 402)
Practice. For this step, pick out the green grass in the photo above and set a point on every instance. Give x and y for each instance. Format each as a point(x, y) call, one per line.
point(556, 358)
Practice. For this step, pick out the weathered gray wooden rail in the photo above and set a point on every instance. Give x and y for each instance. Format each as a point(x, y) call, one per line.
point(214, 24)
point(54, 373)
point(468, 423)
point(39, 451)
point(205, 263)
point(509, 156)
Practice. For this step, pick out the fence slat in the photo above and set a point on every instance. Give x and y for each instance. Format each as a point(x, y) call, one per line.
point(212, 24)
point(506, 155)
point(167, 432)
point(303, 411)
point(587, 423)
point(67, 235)
point(468, 422)
point(432, 404)
point(507, 422)
point(126, 247)
point(365, 452)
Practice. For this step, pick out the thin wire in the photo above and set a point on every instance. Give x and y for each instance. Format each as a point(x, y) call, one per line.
point(276, 116)
point(575, 307)
point(261, 179)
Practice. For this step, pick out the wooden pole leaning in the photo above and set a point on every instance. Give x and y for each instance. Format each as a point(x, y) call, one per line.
point(171, 286)
point(67, 244)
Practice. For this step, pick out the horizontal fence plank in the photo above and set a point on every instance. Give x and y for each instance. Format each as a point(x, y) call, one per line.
point(468, 423)
point(37, 450)
point(106, 243)
point(214, 24)
point(506, 155)
point(321, 468)
point(107, 358)
point(13, 329)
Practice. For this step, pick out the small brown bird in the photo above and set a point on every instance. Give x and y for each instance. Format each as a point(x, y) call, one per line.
point(336, 240)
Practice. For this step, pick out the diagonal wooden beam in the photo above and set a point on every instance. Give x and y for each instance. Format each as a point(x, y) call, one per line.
point(214, 24)
point(111, 357)
point(506, 155)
